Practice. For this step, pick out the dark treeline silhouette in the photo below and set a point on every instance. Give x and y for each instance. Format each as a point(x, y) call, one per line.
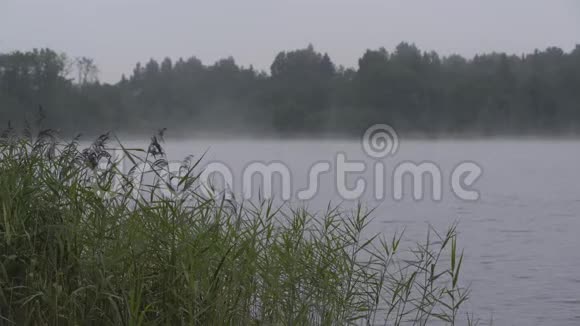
point(304, 93)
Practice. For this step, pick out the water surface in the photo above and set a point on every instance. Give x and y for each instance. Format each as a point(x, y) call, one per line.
point(521, 238)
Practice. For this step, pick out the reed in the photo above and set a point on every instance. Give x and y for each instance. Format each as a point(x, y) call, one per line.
point(83, 245)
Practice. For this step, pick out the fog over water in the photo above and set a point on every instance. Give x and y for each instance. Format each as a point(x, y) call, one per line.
point(520, 238)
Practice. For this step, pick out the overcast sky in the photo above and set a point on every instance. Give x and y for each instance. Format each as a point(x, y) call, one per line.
point(119, 33)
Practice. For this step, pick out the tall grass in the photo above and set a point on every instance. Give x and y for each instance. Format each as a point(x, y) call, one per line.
point(83, 245)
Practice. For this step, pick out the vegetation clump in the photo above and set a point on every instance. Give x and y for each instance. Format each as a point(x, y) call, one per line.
point(83, 243)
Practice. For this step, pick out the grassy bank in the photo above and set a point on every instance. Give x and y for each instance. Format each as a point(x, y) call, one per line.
point(82, 244)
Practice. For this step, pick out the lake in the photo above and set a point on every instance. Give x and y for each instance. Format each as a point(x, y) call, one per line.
point(521, 237)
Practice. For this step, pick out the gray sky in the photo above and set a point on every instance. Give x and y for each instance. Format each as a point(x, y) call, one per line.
point(119, 33)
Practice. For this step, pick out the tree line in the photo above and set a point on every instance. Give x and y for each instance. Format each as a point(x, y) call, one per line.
point(304, 93)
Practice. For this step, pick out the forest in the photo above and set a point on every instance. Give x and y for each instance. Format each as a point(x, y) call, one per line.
point(304, 93)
